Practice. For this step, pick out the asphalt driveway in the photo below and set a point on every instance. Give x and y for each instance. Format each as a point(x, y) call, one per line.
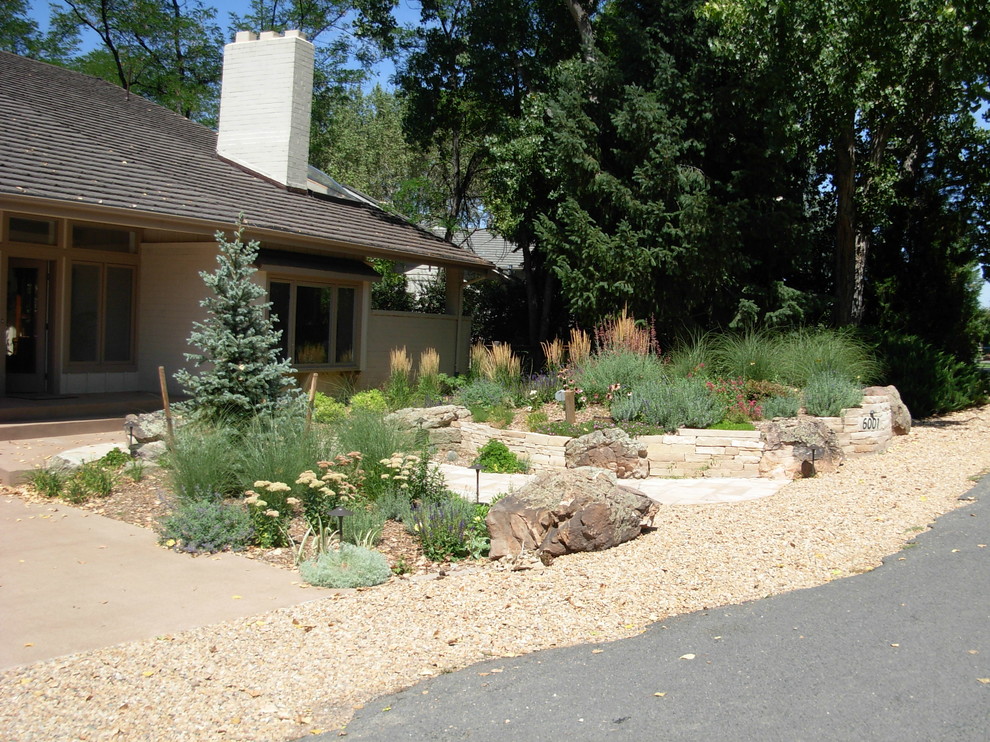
point(899, 653)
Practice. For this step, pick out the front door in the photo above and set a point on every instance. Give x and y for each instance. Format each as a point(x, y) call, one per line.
point(26, 332)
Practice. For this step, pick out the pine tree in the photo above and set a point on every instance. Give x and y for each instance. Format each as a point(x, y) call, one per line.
point(242, 374)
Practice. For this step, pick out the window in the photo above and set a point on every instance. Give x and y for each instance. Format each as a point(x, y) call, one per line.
point(34, 231)
point(317, 322)
point(104, 238)
point(101, 314)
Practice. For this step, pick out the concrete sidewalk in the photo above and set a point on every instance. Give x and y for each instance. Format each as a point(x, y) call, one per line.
point(72, 581)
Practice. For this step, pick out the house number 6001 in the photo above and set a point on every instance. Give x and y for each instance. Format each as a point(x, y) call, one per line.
point(871, 423)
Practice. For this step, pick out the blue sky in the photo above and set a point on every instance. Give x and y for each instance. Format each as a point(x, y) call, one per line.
point(407, 13)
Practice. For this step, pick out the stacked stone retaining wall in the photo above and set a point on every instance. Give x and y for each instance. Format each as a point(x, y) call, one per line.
point(703, 453)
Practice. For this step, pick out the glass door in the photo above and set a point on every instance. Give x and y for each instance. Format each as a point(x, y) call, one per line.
point(26, 331)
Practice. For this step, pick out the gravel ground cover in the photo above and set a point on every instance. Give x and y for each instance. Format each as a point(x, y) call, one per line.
point(291, 672)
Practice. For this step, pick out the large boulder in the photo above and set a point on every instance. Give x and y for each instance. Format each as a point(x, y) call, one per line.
point(798, 447)
point(148, 426)
point(900, 415)
point(428, 418)
point(610, 449)
point(566, 511)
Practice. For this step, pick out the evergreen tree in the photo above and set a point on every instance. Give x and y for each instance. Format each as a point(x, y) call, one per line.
point(240, 346)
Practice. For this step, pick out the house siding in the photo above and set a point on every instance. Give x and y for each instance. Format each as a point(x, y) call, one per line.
point(417, 332)
point(170, 290)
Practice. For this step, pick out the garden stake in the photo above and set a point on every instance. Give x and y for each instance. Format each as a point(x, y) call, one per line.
point(312, 398)
point(165, 407)
point(569, 414)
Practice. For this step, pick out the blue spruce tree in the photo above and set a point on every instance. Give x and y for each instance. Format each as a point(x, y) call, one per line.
point(241, 374)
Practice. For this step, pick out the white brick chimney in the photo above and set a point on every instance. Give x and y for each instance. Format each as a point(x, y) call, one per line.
point(265, 105)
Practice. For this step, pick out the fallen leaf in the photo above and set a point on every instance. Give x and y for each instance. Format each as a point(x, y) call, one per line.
point(895, 645)
point(149, 673)
point(28, 644)
point(659, 695)
point(984, 680)
point(686, 657)
point(597, 651)
point(235, 597)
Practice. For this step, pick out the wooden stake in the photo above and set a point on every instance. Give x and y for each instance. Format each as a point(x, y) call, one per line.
point(569, 409)
point(165, 407)
point(312, 399)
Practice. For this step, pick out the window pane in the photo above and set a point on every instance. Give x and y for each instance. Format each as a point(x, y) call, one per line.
point(101, 238)
point(84, 310)
point(279, 294)
point(345, 326)
point(118, 314)
point(38, 231)
point(313, 324)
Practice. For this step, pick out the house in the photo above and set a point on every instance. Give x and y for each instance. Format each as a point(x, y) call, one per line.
point(484, 243)
point(108, 209)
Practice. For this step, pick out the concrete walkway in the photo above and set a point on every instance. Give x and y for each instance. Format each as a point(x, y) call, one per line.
point(701, 491)
point(899, 653)
point(71, 581)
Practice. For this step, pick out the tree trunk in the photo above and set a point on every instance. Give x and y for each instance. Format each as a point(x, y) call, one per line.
point(851, 245)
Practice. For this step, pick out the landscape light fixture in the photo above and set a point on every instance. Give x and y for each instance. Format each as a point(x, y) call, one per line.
point(477, 482)
point(340, 514)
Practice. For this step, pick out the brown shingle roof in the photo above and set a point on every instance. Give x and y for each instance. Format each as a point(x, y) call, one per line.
point(74, 138)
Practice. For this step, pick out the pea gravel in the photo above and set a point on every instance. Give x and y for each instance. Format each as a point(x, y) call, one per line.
point(294, 671)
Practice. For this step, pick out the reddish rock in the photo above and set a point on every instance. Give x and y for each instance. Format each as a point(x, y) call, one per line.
point(561, 512)
point(610, 449)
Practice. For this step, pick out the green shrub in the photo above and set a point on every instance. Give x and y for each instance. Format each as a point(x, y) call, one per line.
point(327, 410)
point(414, 478)
point(536, 419)
point(278, 448)
point(348, 566)
point(692, 356)
point(135, 470)
point(95, 479)
point(443, 528)
point(207, 526)
point(500, 416)
point(561, 427)
point(600, 373)
point(784, 405)
point(371, 400)
point(930, 381)
point(751, 355)
point(92, 479)
point(829, 392)
point(805, 353)
point(48, 480)
point(395, 506)
point(729, 425)
point(760, 390)
point(115, 458)
point(202, 462)
point(364, 526)
point(495, 456)
point(367, 432)
point(679, 403)
point(484, 393)
point(539, 389)
point(450, 384)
